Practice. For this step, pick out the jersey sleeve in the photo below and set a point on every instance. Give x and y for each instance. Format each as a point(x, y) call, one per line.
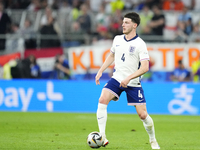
point(113, 46)
point(143, 53)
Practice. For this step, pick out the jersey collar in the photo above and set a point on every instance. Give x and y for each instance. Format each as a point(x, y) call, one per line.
point(130, 39)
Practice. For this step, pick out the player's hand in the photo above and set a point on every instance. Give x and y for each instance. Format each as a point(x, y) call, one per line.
point(124, 83)
point(98, 76)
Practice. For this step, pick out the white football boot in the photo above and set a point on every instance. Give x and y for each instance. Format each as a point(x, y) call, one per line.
point(154, 145)
point(105, 141)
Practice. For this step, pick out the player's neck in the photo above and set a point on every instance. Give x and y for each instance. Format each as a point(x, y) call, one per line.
point(130, 35)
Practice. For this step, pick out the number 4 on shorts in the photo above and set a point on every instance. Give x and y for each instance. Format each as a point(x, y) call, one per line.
point(140, 94)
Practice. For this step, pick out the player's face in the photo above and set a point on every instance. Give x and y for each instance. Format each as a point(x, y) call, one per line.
point(128, 25)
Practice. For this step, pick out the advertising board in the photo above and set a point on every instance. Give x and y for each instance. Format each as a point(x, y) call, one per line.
point(82, 96)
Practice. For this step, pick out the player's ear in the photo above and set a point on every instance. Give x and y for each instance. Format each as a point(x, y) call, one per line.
point(135, 25)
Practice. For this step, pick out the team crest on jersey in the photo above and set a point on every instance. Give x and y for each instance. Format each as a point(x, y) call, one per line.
point(131, 50)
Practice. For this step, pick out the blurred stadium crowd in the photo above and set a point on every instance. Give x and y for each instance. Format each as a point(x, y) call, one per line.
point(53, 23)
point(28, 24)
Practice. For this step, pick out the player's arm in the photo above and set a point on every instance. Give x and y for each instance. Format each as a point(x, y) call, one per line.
point(142, 70)
point(109, 60)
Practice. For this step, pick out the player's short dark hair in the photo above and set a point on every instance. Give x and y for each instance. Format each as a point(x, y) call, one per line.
point(134, 17)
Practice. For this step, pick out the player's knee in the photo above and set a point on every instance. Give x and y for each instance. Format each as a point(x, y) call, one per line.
point(103, 100)
point(142, 115)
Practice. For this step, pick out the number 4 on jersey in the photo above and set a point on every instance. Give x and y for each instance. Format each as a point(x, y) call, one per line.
point(123, 57)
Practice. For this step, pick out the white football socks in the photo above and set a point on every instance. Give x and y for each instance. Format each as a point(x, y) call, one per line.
point(149, 126)
point(102, 118)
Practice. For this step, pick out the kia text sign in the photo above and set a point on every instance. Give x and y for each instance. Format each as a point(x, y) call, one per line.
point(164, 56)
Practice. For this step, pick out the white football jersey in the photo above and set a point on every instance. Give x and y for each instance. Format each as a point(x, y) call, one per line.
point(128, 55)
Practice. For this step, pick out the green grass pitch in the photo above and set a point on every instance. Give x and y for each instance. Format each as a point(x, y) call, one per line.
point(68, 131)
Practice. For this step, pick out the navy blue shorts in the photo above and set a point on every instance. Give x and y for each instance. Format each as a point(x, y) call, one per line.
point(135, 95)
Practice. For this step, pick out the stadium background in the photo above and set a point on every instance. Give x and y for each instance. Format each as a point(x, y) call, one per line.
point(86, 53)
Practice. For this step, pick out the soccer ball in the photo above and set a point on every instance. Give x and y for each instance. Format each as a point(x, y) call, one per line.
point(95, 140)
